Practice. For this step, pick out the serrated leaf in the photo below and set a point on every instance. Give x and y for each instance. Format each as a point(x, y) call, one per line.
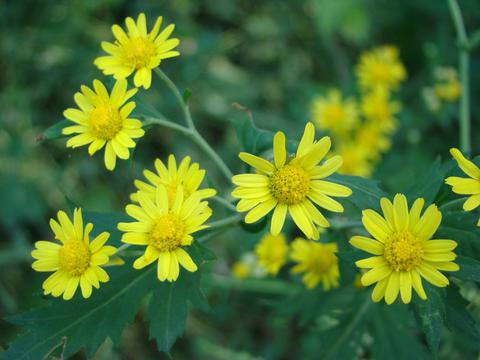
point(54, 131)
point(429, 183)
point(431, 316)
point(469, 269)
point(168, 308)
point(84, 323)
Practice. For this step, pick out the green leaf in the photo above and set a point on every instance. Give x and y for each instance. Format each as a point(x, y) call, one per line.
point(85, 323)
point(429, 183)
point(469, 269)
point(168, 308)
point(431, 316)
point(255, 227)
point(458, 318)
point(351, 256)
point(106, 222)
point(54, 131)
point(251, 138)
point(366, 194)
point(186, 95)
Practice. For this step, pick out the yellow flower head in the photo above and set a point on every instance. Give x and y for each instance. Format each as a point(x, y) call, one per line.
point(165, 227)
point(187, 175)
point(371, 138)
point(380, 67)
point(240, 270)
point(74, 260)
point(379, 109)
point(248, 266)
point(356, 160)
point(291, 184)
point(334, 114)
point(318, 261)
point(103, 120)
point(137, 50)
point(466, 186)
point(404, 251)
point(447, 87)
point(272, 251)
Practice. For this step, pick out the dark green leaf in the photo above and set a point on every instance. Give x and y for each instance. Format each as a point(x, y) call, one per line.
point(54, 131)
point(469, 269)
point(366, 193)
point(429, 183)
point(186, 95)
point(431, 316)
point(255, 227)
point(351, 256)
point(106, 222)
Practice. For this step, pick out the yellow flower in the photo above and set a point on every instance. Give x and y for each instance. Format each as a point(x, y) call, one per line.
point(380, 67)
point(466, 186)
point(371, 138)
point(187, 175)
point(448, 87)
point(272, 252)
point(74, 259)
point(379, 109)
point(165, 227)
point(356, 160)
point(248, 266)
point(404, 251)
point(137, 50)
point(291, 184)
point(334, 114)
point(240, 270)
point(103, 120)
point(318, 261)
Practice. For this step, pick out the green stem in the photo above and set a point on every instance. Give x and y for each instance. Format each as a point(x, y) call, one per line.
point(184, 130)
point(194, 134)
point(232, 220)
point(224, 202)
point(464, 67)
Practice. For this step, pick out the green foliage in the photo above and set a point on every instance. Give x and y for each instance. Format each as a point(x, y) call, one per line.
point(55, 131)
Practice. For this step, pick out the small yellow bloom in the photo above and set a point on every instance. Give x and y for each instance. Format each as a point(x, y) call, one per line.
point(291, 184)
point(447, 87)
point(247, 267)
point(272, 251)
point(74, 259)
point(378, 108)
point(334, 114)
point(356, 160)
point(372, 139)
point(466, 186)
point(137, 50)
point(404, 251)
point(380, 67)
point(318, 261)
point(103, 120)
point(187, 175)
point(165, 227)
point(240, 270)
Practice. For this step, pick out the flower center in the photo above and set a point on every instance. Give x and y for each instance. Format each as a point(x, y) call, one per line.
point(167, 233)
point(138, 52)
point(74, 257)
point(403, 251)
point(290, 184)
point(380, 73)
point(105, 121)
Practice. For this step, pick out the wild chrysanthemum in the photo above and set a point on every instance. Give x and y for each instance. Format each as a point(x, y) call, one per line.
point(380, 67)
point(378, 108)
point(371, 138)
point(137, 50)
point(404, 251)
point(318, 261)
point(356, 160)
point(187, 174)
point(466, 186)
point(74, 259)
point(272, 251)
point(103, 120)
point(165, 227)
point(291, 184)
point(334, 114)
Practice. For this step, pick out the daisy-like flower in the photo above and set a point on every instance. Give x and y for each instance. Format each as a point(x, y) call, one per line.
point(186, 174)
point(102, 120)
point(334, 114)
point(74, 260)
point(318, 261)
point(404, 250)
point(291, 184)
point(466, 186)
point(272, 251)
point(380, 67)
point(137, 50)
point(379, 109)
point(165, 227)
point(356, 159)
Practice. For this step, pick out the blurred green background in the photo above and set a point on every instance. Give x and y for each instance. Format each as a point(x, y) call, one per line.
point(271, 56)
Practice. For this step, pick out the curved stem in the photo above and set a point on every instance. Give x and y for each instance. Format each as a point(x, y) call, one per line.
point(464, 65)
point(122, 248)
point(232, 220)
point(224, 202)
point(195, 135)
point(184, 130)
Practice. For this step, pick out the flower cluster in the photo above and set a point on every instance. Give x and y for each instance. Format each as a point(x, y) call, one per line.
point(362, 128)
point(446, 89)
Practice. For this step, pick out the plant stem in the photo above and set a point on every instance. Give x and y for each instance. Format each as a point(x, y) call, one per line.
point(184, 130)
point(464, 65)
point(194, 134)
point(224, 202)
point(122, 248)
point(224, 222)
